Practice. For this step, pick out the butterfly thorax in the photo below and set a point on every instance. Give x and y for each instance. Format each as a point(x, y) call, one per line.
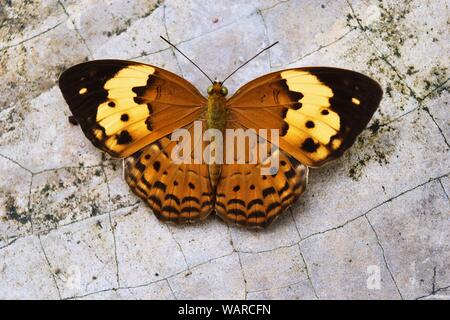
point(216, 118)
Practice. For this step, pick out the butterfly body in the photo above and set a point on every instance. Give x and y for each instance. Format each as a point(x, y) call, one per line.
point(130, 110)
point(216, 118)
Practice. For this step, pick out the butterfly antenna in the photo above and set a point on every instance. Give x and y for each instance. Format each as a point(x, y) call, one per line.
point(187, 58)
point(267, 48)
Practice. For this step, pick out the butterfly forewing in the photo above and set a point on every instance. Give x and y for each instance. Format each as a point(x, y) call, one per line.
point(319, 111)
point(122, 106)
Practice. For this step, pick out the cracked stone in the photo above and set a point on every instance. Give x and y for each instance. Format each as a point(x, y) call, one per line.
point(410, 147)
point(307, 29)
point(297, 291)
point(273, 269)
point(30, 69)
point(141, 38)
point(439, 109)
point(67, 195)
point(82, 257)
point(146, 250)
point(347, 263)
point(282, 234)
point(213, 242)
point(120, 193)
point(206, 15)
point(410, 37)
point(414, 230)
point(22, 20)
point(220, 60)
point(24, 272)
point(61, 144)
point(221, 278)
point(155, 291)
point(14, 197)
point(99, 21)
point(446, 185)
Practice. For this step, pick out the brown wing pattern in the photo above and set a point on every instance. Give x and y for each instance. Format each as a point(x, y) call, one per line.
point(122, 106)
point(178, 193)
point(247, 198)
point(319, 111)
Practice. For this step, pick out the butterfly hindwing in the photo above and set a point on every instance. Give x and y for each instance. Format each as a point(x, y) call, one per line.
point(249, 197)
point(122, 106)
point(178, 193)
point(319, 111)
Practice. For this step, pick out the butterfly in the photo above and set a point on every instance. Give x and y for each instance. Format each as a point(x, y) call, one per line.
point(129, 110)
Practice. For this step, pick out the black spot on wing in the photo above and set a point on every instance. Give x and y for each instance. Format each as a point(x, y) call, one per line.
point(309, 145)
point(124, 137)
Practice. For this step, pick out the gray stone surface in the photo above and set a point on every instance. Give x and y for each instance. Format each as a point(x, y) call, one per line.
point(372, 224)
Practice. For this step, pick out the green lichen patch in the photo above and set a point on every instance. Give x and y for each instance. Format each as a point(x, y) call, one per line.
point(374, 145)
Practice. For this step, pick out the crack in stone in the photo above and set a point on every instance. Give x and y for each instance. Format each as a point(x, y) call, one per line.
point(433, 293)
point(269, 250)
point(9, 243)
point(445, 192)
point(152, 282)
point(179, 246)
point(375, 207)
point(382, 56)
point(240, 262)
point(266, 34)
point(16, 163)
point(277, 288)
point(50, 267)
point(295, 223)
point(196, 37)
point(171, 289)
point(47, 231)
point(437, 125)
point(307, 272)
point(275, 5)
point(72, 21)
point(433, 284)
point(319, 48)
point(439, 86)
point(116, 259)
point(168, 38)
point(399, 75)
point(31, 38)
point(384, 256)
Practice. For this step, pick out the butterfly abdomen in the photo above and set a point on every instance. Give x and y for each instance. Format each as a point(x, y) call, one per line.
point(216, 118)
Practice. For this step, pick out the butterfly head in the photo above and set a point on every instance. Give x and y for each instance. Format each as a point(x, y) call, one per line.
point(217, 89)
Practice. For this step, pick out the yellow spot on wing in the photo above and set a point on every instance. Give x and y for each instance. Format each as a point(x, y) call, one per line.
point(312, 111)
point(82, 91)
point(114, 124)
point(306, 83)
point(356, 101)
point(120, 90)
point(321, 131)
point(336, 143)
